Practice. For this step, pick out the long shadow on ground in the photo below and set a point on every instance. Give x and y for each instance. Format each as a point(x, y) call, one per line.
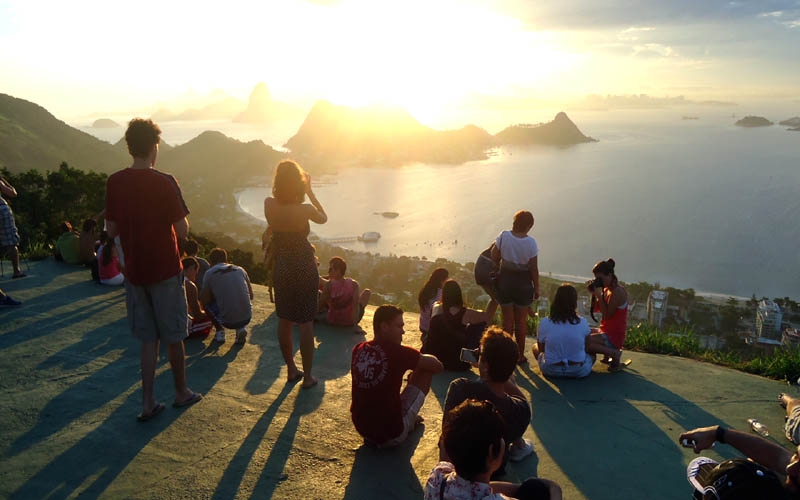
point(605, 445)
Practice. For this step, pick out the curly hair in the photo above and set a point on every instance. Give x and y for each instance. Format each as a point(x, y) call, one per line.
point(289, 182)
point(500, 353)
point(564, 308)
point(141, 136)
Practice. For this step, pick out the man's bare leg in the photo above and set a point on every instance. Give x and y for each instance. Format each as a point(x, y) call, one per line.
point(13, 255)
point(177, 362)
point(421, 379)
point(149, 359)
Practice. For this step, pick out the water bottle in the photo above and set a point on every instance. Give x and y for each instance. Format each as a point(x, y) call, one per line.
point(758, 427)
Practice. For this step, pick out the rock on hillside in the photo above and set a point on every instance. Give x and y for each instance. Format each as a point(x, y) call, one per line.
point(384, 135)
point(559, 132)
point(754, 121)
point(32, 138)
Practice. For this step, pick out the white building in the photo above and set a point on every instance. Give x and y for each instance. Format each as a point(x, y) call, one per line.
point(657, 307)
point(768, 320)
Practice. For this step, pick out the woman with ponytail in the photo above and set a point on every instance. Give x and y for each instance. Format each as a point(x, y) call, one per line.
point(610, 299)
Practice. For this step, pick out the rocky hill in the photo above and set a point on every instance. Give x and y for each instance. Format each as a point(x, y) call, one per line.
point(388, 136)
point(559, 132)
point(32, 138)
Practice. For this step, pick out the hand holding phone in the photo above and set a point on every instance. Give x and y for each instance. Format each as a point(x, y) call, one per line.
point(470, 355)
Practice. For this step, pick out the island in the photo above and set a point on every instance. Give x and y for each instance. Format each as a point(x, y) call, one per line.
point(791, 122)
point(754, 121)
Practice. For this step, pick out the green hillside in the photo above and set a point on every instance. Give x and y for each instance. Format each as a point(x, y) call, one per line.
point(32, 138)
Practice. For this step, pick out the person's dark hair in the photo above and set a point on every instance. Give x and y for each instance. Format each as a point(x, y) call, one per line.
point(432, 286)
point(384, 314)
point(66, 227)
point(472, 432)
point(500, 353)
point(564, 308)
point(89, 225)
point(217, 256)
point(523, 221)
point(289, 182)
point(451, 295)
point(606, 267)
point(190, 262)
point(339, 264)
point(190, 247)
point(108, 248)
point(141, 136)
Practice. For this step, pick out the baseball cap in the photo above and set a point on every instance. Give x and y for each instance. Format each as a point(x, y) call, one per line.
point(737, 479)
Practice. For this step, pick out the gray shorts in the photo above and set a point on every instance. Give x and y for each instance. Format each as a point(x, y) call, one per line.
point(792, 426)
point(158, 311)
point(9, 236)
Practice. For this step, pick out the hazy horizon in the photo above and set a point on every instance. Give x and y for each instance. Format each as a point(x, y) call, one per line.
point(440, 60)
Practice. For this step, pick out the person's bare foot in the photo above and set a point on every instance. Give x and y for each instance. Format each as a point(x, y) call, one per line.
point(309, 382)
point(785, 400)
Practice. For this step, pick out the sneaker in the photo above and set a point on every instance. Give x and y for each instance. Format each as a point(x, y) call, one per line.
point(219, 336)
point(517, 453)
point(241, 336)
point(8, 301)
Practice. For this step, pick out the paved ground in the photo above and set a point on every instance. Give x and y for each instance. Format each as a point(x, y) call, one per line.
point(69, 394)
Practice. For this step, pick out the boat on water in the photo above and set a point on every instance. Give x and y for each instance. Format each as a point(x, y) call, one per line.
point(390, 215)
point(370, 237)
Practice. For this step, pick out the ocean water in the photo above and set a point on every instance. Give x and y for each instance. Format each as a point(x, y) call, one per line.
point(686, 203)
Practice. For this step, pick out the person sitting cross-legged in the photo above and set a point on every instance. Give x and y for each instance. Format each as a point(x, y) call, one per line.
point(227, 295)
point(472, 439)
point(496, 363)
point(381, 413)
point(346, 305)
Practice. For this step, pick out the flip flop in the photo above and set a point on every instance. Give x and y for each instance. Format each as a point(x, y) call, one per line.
point(194, 398)
point(309, 386)
point(155, 411)
point(619, 366)
point(294, 379)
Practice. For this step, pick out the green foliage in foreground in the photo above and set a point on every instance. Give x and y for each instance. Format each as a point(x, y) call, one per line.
point(782, 364)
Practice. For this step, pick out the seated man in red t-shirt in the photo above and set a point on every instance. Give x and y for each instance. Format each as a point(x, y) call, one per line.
point(345, 303)
point(382, 414)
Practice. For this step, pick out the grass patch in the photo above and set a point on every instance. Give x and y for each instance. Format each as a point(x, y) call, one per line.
point(782, 364)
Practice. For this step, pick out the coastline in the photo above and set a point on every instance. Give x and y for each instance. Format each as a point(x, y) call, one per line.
point(712, 296)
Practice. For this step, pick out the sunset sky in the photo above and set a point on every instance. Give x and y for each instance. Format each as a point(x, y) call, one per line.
point(78, 58)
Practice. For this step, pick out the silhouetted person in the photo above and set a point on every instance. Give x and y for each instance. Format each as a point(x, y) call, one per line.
point(145, 208)
point(9, 236)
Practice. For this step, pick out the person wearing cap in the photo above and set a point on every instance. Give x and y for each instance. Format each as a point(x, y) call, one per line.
point(381, 413)
point(771, 471)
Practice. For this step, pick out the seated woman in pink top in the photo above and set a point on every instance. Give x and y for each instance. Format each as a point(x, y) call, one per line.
point(346, 304)
point(111, 271)
point(610, 299)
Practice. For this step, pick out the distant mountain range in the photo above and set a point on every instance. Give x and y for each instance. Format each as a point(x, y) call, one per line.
point(754, 121)
point(389, 136)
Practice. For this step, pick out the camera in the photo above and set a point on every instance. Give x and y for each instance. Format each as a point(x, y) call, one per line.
point(596, 283)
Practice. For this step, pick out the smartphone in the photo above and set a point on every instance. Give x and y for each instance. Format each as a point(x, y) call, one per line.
point(470, 355)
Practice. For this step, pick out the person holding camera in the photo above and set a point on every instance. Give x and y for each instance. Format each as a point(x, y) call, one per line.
point(610, 299)
point(473, 440)
point(518, 280)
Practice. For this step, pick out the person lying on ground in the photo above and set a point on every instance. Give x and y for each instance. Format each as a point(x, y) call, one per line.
point(704, 473)
point(381, 413)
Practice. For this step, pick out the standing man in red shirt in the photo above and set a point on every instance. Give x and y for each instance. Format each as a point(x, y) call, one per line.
point(381, 413)
point(145, 208)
